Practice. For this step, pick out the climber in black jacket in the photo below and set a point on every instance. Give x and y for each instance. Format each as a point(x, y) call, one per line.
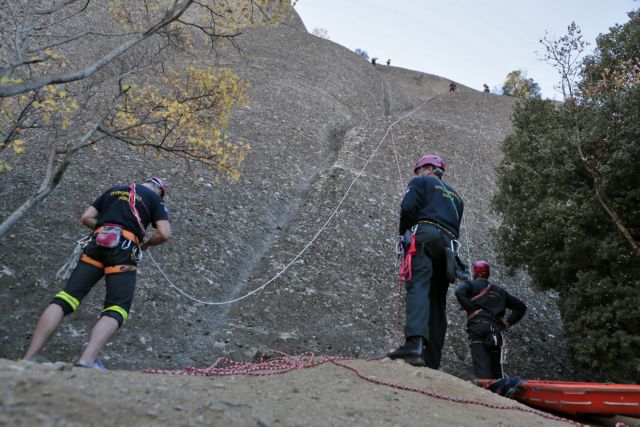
point(486, 304)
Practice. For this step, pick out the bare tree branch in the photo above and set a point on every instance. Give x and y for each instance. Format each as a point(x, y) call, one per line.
point(58, 7)
point(11, 89)
point(53, 174)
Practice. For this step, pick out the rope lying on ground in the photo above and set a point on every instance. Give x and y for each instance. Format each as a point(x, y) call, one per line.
point(275, 362)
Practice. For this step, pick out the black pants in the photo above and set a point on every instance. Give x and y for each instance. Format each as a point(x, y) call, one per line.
point(120, 284)
point(486, 357)
point(426, 299)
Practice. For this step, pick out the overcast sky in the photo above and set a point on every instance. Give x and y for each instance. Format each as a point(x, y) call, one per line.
point(469, 41)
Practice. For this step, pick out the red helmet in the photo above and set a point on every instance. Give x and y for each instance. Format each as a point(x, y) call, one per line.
point(481, 269)
point(429, 160)
point(160, 183)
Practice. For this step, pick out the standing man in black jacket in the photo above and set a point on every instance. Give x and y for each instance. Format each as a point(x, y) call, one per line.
point(486, 304)
point(431, 210)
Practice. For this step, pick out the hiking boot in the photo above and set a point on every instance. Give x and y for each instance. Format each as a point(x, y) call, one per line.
point(95, 365)
point(413, 351)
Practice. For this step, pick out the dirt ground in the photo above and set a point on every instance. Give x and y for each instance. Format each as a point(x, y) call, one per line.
point(57, 394)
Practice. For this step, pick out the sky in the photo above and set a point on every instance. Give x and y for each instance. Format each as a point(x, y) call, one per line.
point(469, 41)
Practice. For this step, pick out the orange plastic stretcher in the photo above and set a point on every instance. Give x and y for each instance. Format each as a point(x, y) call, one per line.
point(578, 398)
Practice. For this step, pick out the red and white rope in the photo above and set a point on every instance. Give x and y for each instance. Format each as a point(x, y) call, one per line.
point(276, 362)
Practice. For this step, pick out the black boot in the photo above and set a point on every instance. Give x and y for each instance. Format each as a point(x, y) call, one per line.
point(413, 351)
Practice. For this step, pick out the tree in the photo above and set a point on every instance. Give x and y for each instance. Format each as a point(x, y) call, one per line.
point(321, 32)
point(517, 84)
point(569, 197)
point(564, 55)
point(71, 78)
point(362, 53)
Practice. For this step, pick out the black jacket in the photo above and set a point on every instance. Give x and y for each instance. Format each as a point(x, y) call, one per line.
point(493, 304)
point(113, 208)
point(430, 199)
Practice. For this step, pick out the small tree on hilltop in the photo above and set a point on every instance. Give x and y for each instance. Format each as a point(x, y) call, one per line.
point(564, 54)
point(517, 84)
point(74, 74)
point(321, 32)
point(362, 53)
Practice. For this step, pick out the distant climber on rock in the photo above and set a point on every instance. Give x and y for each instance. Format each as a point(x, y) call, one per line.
point(430, 216)
point(373, 61)
point(486, 88)
point(486, 304)
point(388, 61)
point(118, 220)
point(452, 87)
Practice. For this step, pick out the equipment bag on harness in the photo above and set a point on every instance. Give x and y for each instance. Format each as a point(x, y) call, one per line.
point(109, 236)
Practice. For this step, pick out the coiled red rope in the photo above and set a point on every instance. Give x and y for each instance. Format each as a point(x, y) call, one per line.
point(276, 362)
point(405, 269)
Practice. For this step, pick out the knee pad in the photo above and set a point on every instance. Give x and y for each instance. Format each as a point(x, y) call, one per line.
point(116, 312)
point(68, 303)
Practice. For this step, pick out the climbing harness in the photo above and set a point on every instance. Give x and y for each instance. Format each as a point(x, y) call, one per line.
point(454, 267)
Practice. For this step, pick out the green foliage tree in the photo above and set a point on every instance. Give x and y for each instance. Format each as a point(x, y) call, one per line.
point(569, 197)
point(75, 74)
point(517, 84)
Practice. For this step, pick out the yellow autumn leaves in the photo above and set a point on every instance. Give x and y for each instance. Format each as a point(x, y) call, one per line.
point(185, 116)
point(47, 107)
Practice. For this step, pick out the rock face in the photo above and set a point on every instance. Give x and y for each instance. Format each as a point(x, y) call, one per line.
point(314, 215)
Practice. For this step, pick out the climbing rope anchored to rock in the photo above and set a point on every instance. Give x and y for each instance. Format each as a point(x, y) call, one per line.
point(310, 242)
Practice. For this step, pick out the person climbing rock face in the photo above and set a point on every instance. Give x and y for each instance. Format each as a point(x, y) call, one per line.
point(431, 210)
point(486, 304)
point(452, 87)
point(118, 219)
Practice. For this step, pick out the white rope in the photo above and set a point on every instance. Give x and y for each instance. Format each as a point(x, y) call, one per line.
point(395, 152)
point(470, 170)
point(65, 271)
point(313, 239)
